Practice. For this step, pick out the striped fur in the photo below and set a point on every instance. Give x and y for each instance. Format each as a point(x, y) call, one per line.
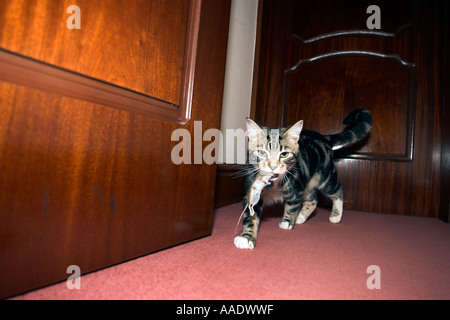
point(302, 164)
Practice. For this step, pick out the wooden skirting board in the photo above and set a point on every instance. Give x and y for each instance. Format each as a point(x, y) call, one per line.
point(229, 185)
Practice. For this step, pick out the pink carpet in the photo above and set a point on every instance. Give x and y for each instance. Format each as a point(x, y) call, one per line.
point(316, 260)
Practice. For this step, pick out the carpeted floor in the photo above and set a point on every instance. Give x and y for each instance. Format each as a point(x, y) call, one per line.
point(316, 260)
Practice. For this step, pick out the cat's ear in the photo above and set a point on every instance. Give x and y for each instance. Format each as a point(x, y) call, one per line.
point(294, 131)
point(253, 129)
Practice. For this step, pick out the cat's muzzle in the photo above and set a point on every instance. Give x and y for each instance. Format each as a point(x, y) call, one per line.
point(274, 178)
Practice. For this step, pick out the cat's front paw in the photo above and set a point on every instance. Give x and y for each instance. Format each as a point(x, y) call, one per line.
point(244, 243)
point(286, 225)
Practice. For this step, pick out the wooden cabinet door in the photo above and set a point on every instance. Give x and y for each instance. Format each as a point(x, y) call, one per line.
point(86, 123)
point(318, 60)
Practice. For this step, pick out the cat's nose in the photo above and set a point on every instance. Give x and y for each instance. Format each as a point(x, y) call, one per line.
point(273, 166)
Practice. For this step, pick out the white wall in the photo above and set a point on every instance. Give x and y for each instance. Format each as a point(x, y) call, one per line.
point(239, 71)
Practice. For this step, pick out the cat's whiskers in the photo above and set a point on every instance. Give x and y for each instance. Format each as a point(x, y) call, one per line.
point(287, 171)
point(244, 171)
point(285, 179)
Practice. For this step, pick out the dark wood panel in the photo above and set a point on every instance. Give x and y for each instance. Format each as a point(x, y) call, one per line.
point(229, 185)
point(77, 188)
point(91, 185)
point(117, 40)
point(35, 74)
point(324, 90)
point(310, 22)
point(383, 84)
point(444, 199)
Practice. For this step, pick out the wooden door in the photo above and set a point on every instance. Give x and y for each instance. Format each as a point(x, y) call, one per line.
point(318, 60)
point(86, 119)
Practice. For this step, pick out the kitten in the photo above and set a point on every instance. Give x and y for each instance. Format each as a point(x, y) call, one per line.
point(298, 165)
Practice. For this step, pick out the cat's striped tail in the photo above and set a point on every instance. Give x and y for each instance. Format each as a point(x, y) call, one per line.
point(362, 127)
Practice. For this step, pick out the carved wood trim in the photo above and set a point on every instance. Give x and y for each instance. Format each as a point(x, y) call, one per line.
point(345, 33)
point(25, 71)
point(408, 154)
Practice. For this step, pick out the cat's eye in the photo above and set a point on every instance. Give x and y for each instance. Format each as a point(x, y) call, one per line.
point(261, 153)
point(284, 154)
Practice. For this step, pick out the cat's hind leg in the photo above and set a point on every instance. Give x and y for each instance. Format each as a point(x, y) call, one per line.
point(336, 211)
point(333, 189)
point(309, 200)
point(338, 206)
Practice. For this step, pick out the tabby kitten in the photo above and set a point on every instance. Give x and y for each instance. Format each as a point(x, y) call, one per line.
point(298, 165)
